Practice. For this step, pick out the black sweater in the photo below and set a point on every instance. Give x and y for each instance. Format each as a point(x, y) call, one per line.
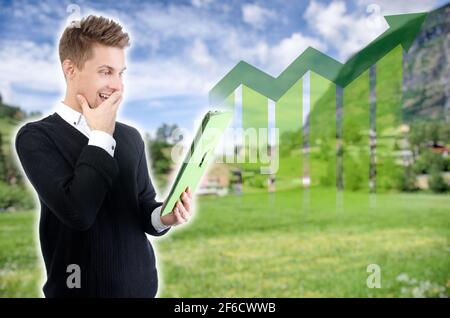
point(95, 209)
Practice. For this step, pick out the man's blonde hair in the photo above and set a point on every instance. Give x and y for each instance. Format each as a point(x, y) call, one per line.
point(77, 40)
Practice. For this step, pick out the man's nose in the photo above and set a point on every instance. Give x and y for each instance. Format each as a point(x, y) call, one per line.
point(116, 84)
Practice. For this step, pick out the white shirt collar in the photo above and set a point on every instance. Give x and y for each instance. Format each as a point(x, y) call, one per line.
point(77, 120)
point(73, 117)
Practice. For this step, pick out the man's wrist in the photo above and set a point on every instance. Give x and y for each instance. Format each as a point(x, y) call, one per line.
point(103, 140)
point(156, 220)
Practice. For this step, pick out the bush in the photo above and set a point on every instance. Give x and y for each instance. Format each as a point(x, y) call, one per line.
point(429, 161)
point(436, 182)
point(353, 175)
point(406, 180)
point(257, 181)
point(15, 196)
point(391, 176)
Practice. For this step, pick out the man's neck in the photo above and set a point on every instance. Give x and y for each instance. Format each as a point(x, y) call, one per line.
point(71, 101)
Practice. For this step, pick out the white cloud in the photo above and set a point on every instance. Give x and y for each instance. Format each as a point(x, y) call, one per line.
point(252, 50)
point(288, 49)
point(256, 16)
point(31, 66)
point(388, 7)
point(37, 18)
point(346, 32)
point(327, 20)
point(272, 59)
point(165, 77)
point(173, 21)
point(33, 102)
point(200, 55)
point(6, 91)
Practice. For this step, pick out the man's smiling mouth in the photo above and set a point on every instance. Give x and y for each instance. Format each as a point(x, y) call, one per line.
point(103, 97)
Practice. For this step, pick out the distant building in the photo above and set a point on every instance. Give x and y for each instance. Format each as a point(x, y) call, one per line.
point(444, 151)
point(422, 180)
point(216, 181)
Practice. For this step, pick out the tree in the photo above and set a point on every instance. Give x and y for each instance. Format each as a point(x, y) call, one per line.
point(2, 160)
point(432, 132)
point(160, 146)
point(444, 133)
point(166, 133)
point(417, 137)
point(159, 160)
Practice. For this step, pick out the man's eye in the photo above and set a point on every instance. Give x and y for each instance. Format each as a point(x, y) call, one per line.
point(106, 72)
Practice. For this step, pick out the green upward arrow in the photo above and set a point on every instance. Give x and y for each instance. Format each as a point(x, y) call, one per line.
point(403, 29)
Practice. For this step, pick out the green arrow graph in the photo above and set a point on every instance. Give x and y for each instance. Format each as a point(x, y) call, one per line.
point(352, 167)
point(403, 29)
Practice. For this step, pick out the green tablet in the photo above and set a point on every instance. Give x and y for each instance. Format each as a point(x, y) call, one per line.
point(198, 157)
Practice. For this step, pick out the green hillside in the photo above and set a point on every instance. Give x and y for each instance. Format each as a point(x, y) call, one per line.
point(402, 88)
point(425, 72)
point(13, 193)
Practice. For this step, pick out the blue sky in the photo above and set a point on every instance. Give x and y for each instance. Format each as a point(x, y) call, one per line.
point(180, 49)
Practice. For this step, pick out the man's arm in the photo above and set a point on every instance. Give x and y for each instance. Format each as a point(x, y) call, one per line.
point(73, 195)
point(148, 206)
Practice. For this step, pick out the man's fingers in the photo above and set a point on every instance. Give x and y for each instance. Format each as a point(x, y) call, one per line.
point(116, 104)
point(184, 214)
point(115, 98)
point(179, 218)
point(186, 201)
point(189, 192)
point(113, 102)
point(83, 103)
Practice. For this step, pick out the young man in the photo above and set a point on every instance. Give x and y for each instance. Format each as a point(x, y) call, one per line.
point(90, 173)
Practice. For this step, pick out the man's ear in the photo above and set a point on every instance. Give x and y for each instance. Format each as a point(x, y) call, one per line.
point(68, 68)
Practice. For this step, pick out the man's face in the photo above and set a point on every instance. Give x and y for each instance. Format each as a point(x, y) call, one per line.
point(101, 75)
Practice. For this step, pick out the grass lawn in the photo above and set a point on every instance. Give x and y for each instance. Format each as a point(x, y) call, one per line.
point(257, 245)
point(20, 270)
